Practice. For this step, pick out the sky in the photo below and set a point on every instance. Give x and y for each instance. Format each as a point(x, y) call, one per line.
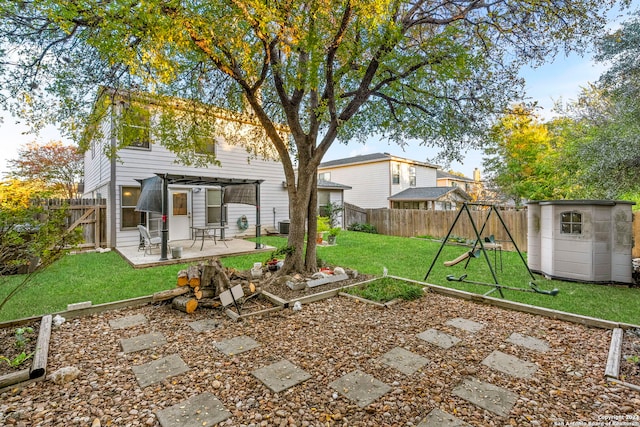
point(561, 79)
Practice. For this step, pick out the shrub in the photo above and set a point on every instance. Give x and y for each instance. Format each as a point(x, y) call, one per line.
point(363, 227)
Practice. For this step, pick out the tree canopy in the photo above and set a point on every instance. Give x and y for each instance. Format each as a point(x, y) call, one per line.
point(333, 70)
point(56, 166)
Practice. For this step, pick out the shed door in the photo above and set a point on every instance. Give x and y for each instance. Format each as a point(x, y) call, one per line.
point(179, 215)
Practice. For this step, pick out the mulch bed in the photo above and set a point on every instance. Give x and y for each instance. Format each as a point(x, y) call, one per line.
point(10, 348)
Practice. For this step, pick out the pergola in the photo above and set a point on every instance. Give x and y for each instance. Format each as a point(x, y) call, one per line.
point(234, 190)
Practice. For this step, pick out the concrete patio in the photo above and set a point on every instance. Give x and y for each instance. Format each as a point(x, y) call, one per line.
point(190, 251)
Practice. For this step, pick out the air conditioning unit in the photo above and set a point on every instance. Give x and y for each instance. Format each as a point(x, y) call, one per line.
point(283, 227)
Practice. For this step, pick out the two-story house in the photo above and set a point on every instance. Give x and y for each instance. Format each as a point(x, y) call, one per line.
point(381, 180)
point(376, 177)
point(191, 202)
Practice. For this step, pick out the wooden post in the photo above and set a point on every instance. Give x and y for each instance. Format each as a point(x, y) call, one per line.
point(39, 365)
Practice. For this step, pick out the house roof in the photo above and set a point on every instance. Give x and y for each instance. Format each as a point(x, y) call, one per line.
point(442, 174)
point(427, 193)
point(370, 158)
point(328, 185)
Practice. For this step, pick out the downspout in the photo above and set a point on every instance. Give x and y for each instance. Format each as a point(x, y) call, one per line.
point(165, 214)
point(258, 245)
point(113, 196)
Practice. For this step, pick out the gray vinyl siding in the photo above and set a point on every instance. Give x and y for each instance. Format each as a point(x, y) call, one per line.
point(370, 183)
point(136, 163)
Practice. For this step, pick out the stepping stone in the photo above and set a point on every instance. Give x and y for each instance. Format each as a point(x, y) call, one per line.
point(496, 399)
point(438, 338)
point(142, 342)
point(202, 410)
point(531, 343)
point(281, 375)
point(203, 325)
point(360, 387)
point(158, 370)
point(403, 360)
point(510, 365)
point(465, 324)
point(128, 322)
point(438, 418)
point(236, 345)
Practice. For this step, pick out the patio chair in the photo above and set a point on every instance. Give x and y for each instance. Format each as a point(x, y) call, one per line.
point(148, 241)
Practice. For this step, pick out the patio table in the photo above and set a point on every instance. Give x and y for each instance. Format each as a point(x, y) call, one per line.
point(203, 231)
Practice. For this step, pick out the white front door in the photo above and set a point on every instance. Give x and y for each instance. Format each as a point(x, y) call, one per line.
point(179, 214)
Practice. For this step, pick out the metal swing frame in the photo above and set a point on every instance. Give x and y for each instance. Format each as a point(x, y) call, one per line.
point(479, 241)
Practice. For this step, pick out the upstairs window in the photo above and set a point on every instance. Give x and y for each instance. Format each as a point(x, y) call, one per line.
point(206, 147)
point(412, 176)
point(324, 176)
point(395, 173)
point(571, 222)
point(136, 123)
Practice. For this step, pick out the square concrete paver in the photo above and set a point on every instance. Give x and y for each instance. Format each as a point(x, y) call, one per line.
point(403, 360)
point(465, 324)
point(203, 325)
point(128, 322)
point(441, 339)
point(531, 343)
point(142, 342)
point(496, 399)
point(158, 370)
point(236, 345)
point(510, 365)
point(281, 375)
point(438, 418)
point(360, 387)
point(202, 410)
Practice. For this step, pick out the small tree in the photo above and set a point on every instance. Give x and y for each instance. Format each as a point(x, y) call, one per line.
point(31, 239)
point(57, 166)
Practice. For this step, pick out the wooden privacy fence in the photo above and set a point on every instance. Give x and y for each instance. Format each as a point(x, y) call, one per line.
point(90, 214)
point(414, 222)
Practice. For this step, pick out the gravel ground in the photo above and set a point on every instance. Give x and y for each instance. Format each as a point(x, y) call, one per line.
point(328, 339)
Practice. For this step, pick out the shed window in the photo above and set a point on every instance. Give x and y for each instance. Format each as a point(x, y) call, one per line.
point(571, 223)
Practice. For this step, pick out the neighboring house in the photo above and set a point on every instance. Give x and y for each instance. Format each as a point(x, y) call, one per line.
point(429, 198)
point(376, 177)
point(331, 192)
point(117, 179)
point(446, 179)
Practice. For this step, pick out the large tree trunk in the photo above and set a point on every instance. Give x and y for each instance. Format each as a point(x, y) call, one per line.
point(302, 199)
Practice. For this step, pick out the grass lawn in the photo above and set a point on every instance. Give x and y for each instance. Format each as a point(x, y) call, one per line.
point(106, 277)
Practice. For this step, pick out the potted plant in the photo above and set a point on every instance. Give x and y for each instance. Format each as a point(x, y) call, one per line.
point(322, 227)
point(333, 232)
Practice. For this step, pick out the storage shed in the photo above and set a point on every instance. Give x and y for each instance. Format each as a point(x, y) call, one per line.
point(581, 240)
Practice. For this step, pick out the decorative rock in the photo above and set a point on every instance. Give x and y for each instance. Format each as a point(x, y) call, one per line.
point(339, 270)
point(64, 375)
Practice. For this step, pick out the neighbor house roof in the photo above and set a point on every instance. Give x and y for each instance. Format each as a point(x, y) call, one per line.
point(371, 158)
point(427, 193)
point(328, 185)
point(440, 174)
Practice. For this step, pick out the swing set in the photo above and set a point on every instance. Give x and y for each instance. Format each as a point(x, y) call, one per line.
point(480, 247)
